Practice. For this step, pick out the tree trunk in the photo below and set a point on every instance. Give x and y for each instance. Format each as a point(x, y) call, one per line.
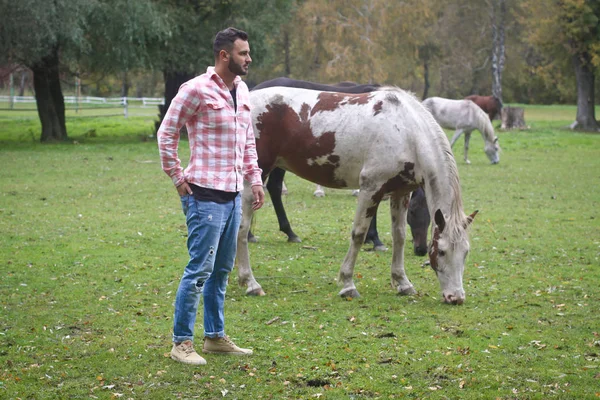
point(49, 98)
point(425, 79)
point(22, 83)
point(173, 80)
point(513, 118)
point(287, 68)
point(586, 114)
point(124, 84)
point(498, 49)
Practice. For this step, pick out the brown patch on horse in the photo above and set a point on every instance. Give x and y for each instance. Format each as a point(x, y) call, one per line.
point(331, 101)
point(287, 134)
point(404, 179)
point(377, 107)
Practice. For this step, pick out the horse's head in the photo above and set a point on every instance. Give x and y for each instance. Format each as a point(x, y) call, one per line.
point(492, 150)
point(447, 255)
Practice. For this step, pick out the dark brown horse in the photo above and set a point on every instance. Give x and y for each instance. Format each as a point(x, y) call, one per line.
point(490, 104)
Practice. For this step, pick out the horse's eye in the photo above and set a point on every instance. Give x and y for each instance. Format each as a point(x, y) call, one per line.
point(441, 253)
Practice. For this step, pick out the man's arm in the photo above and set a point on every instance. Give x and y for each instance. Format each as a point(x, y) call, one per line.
point(182, 108)
point(252, 173)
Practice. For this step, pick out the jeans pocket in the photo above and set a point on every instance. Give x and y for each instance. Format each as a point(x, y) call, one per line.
point(185, 203)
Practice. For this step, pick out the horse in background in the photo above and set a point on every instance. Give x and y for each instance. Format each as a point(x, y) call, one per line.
point(491, 105)
point(382, 142)
point(418, 219)
point(348, 87)
point(465, 116)
point(275, 182)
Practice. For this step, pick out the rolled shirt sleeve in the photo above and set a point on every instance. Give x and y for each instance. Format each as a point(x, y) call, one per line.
point(183, 107)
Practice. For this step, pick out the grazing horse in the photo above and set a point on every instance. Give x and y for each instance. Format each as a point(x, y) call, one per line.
point(491, 105)
point(382, 142)
point(465, 116)
point(275, 181)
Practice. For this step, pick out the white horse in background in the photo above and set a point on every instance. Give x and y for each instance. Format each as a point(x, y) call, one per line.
point(320, 192)
point(465, 116)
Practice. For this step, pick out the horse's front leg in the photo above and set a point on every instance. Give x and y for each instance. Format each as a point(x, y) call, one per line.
point(364, 213)
point(467, 140)
point(319, 192)
point(398, 208)
point(457, 134)
point(245, 276)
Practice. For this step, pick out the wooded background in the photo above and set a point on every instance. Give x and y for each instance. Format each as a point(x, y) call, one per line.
point(522, 51)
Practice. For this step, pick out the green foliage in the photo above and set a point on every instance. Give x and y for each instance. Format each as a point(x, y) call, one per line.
point(93, 245)
point(31, 28)
point(194, 24)
point(125, 35)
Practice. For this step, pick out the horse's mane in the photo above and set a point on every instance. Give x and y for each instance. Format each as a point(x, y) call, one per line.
point(456, 221)
point(483, 123)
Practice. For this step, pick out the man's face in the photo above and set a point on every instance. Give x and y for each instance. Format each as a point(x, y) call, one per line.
point(239, 57)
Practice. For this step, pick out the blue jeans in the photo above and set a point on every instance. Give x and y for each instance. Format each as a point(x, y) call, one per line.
point(212, 243)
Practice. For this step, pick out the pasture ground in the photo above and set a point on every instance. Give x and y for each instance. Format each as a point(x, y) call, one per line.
point(93, 245)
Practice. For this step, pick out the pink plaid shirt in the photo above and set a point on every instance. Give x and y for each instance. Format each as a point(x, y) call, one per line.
point(222, 145)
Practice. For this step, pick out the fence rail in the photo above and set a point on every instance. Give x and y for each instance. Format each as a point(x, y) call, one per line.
point(145, 101)
point(16, 103)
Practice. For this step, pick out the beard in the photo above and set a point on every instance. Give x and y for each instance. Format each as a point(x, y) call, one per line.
point(236, 68)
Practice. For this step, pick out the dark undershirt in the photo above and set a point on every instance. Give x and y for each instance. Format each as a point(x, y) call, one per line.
point(214, 195)
point(233, 95)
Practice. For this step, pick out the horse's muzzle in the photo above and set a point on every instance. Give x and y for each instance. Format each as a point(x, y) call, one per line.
point(455, 298)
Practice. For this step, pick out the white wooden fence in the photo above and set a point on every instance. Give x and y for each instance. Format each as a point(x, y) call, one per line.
point(89, 101)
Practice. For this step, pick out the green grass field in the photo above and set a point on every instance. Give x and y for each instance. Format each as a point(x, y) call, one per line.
point(93, 245)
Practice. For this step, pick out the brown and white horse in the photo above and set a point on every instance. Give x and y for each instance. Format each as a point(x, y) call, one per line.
point(380, 142)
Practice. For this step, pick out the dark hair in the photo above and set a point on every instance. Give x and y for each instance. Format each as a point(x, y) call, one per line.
point(224, 39)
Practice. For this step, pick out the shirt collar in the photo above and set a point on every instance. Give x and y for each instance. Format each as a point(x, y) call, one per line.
point(217, 78)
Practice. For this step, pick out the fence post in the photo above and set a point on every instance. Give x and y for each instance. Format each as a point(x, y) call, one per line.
point(125, 105)
point(12, 91)
point(77, 92)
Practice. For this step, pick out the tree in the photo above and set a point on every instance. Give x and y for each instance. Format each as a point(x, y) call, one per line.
point(187, 50)
point(498, 16)
point(48, 36)
point(571, 25)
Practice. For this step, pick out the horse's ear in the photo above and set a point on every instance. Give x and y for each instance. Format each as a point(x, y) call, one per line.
point(471, 217)
point(439, 220)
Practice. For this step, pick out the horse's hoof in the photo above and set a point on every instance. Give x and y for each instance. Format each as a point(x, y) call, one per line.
point(253, 239)
point(467, 162)
point(319, 193)
point(295, 239)
point(349, 294)
point(255, 292)
point(408, 291)
point(355, 192)
point(380, 248)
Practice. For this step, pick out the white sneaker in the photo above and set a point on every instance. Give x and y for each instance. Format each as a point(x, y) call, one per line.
point(184, 352)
